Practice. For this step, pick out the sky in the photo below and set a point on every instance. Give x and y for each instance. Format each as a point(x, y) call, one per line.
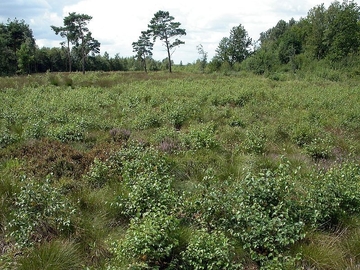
point(117, 24)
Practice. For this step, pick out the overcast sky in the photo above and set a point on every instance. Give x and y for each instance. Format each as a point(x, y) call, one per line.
point(116, 24)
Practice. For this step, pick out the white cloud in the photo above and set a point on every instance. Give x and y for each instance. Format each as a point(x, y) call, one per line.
point(117, 24)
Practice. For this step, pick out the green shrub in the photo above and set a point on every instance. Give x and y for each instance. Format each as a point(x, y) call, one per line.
point(318, 148)
point(209, 251)
point(267, 218)
point(98, 174)
point(334, 195)
point(149, 242)
point(53, 79)
point(36, 130)
point(146, 181)
point(7, 137)
point(235, 122)
point(255, 141)
point(201, 136)
point(167, 139)
point(70, 132)
point(177, 116)
point(303, 134)
point(40, 212)
point(149, 120)
point(210, 203)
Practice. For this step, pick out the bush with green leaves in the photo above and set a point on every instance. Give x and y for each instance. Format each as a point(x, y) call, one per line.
point(303, 133)
point(318, 148)
point(36, 130)
point(98, 174)
point(209, 250)
point(255, 141)
point(148, 120)
point(70, 132)
point(40, 212)
point(177, 113)
point(209, 204)
point(200, 136)
point(266, 218)
point(7, 137)
point(232, 99)
point(333, 195)
point(149, 242)
point(146, 180)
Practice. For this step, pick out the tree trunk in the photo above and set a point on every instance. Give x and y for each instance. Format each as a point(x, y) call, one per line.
point(169, 55)
point(145, 65)
point(169, 59)
point(69, 55)
point(83, 58)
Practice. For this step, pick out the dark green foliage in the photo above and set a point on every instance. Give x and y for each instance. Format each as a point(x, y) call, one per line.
point(146, 183)
point(342, 32)
point(326, 33)
point(149, 242)
point(209, 251)
point(236, 48)
point(17, 45)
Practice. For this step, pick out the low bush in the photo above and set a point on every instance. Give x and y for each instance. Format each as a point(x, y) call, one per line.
point(209, 251)
point(149, 242)
point(146, 181)
point(98, 174)
point(267, 218)
point(201, 136)
point(255, 141)
point(334, 195)
point(40, 213)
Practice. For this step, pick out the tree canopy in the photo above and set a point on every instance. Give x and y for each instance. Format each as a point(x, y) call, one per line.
point(325, 35)
point(162, 26)
point(236, 48)
point(17, 46)
point(143, 48)
point(76, 32)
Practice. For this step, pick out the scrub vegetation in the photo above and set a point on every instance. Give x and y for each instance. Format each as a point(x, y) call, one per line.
point(179, 170)
point(250, 161)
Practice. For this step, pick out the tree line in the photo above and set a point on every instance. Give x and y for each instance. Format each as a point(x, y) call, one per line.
point(80, 50)
point(329, 35)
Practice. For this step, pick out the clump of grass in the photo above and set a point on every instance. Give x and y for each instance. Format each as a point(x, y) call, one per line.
point(324, 252)
point(55, 255)
point(68, 81)
point(53, 79)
